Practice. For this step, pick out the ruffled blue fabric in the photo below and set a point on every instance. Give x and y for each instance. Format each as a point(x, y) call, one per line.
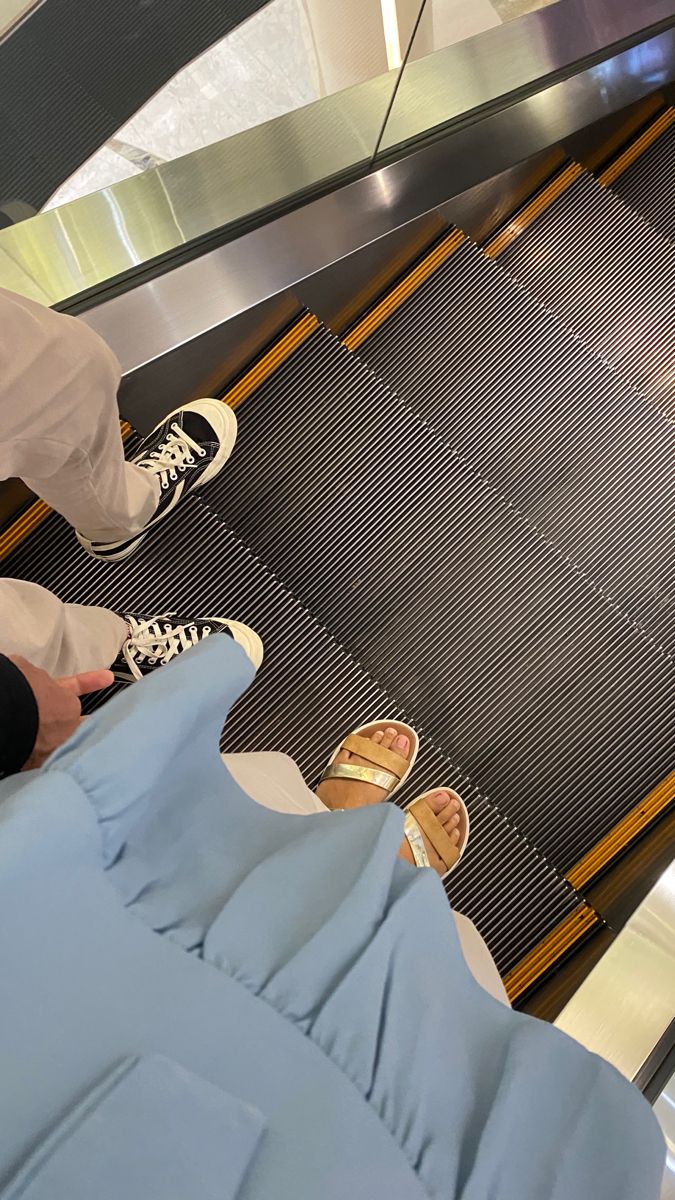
point(319, 919)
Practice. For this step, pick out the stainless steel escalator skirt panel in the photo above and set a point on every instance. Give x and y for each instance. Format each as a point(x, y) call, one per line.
point(162, 314)
point(59, 255)
point(310, 691)
point(648, 185)
point(610, 278)
point(627, 1003)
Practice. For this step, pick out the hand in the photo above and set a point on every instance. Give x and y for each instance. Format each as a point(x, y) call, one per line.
point(59, 709)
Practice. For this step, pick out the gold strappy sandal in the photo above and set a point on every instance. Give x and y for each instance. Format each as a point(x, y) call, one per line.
point(421, 820)
point(389, 770)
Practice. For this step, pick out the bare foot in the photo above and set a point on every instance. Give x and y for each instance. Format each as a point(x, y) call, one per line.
point(351, 793)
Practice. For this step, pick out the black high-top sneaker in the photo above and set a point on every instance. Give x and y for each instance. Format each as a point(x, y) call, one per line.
point(155, 640)
point(186, 450)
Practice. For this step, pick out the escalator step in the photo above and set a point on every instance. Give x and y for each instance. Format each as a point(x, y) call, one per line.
point(610, 278)
point(557, 433)
point(648, 185)
point(309, 693)
point(491, 642)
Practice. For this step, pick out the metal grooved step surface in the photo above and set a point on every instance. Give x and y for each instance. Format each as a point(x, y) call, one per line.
point(610, 278)
point(648, 185)
point(544, 695)
point(310, 691)
point(565, 439)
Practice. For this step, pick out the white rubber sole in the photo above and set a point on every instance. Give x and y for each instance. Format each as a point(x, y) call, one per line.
point(246, 637)
point(129, 548)
point(400, 727)
point(464, 840)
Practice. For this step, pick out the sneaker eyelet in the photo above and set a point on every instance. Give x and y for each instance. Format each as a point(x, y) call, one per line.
point(165, 485)
point(202, 453)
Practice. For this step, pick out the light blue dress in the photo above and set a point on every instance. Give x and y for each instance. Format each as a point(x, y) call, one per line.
point(201, 999)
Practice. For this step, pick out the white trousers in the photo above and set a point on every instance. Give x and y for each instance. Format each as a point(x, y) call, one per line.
point(61, 435)
point(275, 781)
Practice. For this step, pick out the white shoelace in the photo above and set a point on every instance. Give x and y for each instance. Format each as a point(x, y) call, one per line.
point(175, 454)
point(148, 640)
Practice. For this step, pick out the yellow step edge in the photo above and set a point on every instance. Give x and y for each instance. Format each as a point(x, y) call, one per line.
point(35, 514)
point(273, 358)
point(25, 524)
point(281, 350)
point(398, 294)
point(547, 952)
point(532, 210)
point(638, 147)
point(627, 830)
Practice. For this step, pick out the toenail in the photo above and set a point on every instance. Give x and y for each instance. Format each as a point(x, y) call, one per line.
point(402, 742)
point(390, 732)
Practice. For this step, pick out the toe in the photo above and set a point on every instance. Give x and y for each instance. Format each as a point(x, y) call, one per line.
point(439, 801)
point(387, 738)
point(450, 815)
point(402, 745)
point(447, 807)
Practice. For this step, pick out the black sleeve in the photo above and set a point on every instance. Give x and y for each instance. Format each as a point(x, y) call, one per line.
point(18, 718)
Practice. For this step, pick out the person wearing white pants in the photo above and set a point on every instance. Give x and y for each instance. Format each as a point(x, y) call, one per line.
point(61, 435)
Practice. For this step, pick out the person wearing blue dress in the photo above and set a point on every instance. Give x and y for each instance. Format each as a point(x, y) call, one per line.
point(203, 998)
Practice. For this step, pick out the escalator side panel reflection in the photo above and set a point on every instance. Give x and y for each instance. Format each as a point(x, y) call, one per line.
point(91, 68)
